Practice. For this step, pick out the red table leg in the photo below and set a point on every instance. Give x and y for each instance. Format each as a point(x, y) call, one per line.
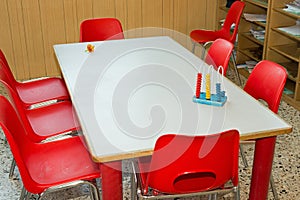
point(262, 167)
point(112, 180)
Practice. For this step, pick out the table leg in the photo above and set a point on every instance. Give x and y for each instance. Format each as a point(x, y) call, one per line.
point(262, 167)
point(112, 180)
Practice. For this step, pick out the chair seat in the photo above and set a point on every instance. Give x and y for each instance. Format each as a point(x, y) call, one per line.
point(50, 166)
point(203, 36)
point(53, 119)
point(34, 91)
point(42, 90)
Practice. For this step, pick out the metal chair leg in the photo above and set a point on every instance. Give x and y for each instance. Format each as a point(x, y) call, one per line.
point(12, 169)
point(5, 141)
point(237, 194)
point(273, 187)
point(212, 197)
point(28, 196)
point(92, 197)
point(23, 193)
point(194, 46)
point(235, 69)
point(95, 194)
point(243, 156)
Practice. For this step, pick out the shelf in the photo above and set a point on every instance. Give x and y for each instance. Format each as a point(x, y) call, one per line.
point(290, 87)
point(292, 69)
point(262, 24)
point(278, 46)
point(290, 100)
point(244, 72)
point(280, 10)
point(290, 51)
point(260, 3)
point(258, 23)
point(286, 34)
point(252, 38)
point(250, 53)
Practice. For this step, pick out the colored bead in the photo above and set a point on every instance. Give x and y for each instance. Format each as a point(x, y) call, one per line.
point(198, 85)
point(207, 86)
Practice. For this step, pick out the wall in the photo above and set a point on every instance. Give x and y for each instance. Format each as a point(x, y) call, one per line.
point(29, 28)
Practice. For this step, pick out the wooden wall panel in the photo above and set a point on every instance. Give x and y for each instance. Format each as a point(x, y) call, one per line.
point(134, 18)
point(34, 38)
point(104, 8)
point(211, 11)
point(84, 11)
point(180, 21)
point(52, 19)
point(30, 28)
point(196, 11)
point(19, 63)
point(168, 17)
point(121, 12)
point(5, 33)
point(152, 17)
point(71, 21)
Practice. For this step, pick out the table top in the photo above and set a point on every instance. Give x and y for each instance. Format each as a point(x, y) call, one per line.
point(129, 92)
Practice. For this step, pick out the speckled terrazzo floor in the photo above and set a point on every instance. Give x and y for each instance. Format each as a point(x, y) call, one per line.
point(286, 167)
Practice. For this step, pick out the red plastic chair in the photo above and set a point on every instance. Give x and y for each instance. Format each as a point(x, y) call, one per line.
point(100, 29)
point(46, 167)
point(219, 53)
point(33, 92)
point(233, 17)
point(189, 165)
point(266, 82)
point(51, 122)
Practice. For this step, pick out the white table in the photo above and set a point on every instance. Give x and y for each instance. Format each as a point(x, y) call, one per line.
point(129, 92)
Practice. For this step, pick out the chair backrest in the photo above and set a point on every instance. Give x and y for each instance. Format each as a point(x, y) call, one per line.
point(17, 105)
point(15, 133)
point(233, 17)
point(100, 29)
point(266, 82)
point(5, 72)
point(219, 54)
point(182, 164)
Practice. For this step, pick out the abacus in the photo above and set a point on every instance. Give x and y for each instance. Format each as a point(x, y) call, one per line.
point(217, 99)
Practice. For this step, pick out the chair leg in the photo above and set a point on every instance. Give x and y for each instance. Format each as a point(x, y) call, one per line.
point(273, 187)
point(92, 196)
point(95, 194)
point(206, 46)
point(194, 46)
point(133, 186)
point(212, 196)
point(5, 141)
point(237, 194)
point(243, 156)
point(23, 193)
point(235, 69)
point(12, 169)
point(28, 196)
